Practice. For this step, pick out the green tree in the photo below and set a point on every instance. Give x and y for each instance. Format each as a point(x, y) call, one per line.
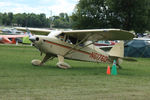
point(5, 19)
point(31, 20)
point(19, 19)
point(90, 14)
point(148, 26)
point(130, 14)
point(124, 14)
point(34, 20)
point(62, 21)
point(148, 5)
point(42, 18)
point(10, 17)
point(1, 16)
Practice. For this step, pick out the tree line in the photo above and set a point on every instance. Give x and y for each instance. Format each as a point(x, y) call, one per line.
point(90, 14)
point(35, 20)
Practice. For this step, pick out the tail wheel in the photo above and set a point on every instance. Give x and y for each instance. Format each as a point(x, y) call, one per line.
point(119, 61)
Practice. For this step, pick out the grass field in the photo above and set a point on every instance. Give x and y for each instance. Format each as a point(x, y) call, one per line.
point(19, 80)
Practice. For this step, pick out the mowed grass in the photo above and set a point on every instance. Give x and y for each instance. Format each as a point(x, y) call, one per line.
point(19, 80)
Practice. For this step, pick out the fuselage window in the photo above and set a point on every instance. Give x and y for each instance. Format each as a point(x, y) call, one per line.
point(61, 37)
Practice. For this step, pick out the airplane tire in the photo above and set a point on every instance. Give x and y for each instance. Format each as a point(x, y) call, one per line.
point(63, 65)
point(36, 62)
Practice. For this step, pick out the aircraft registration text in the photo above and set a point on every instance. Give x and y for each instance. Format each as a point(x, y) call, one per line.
point(99, 57)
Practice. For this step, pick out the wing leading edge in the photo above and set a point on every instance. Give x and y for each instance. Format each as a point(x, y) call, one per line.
point(35, 30)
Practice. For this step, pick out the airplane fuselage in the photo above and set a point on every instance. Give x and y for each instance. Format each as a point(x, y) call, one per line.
point(74, 44)
point(54, 46)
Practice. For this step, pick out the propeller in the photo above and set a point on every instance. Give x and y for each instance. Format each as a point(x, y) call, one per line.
point(28, 32)
point(32, 39)
point(1, 38)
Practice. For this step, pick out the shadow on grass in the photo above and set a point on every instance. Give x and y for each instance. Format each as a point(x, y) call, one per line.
point(85, 68)
point(79, 70)
point(82, 70)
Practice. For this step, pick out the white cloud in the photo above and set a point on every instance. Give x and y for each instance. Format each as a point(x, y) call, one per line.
point(63, 6)
point(5, 4)
point(43, 6)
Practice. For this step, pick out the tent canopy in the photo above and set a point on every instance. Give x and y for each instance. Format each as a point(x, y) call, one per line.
point(137, 48)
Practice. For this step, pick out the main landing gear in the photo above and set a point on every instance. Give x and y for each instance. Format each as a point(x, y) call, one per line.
point(60, 64)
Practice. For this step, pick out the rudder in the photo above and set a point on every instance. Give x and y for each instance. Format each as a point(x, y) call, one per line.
point(117, 50)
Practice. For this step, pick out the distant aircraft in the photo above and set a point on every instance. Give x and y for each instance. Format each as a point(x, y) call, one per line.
point(104, 43)
point(6, 38)
point(14, 35)
point(11, 31)
point(79, 45)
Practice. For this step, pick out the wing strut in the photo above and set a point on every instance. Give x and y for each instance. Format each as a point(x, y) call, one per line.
point(88, 44)
point(39, 63)
point(81, 47)
point(46, 58)
point(61, 63)
point(77, 44)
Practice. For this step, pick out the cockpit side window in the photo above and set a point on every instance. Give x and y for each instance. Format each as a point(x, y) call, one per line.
point(61, 37)
point(73, 40)
point(68, 39)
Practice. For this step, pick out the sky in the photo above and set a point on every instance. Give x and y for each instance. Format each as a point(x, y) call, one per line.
point(49, 7)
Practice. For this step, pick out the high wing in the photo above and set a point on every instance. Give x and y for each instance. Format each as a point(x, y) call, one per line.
point(35, 30)
point(91, 34)
point(100, 34)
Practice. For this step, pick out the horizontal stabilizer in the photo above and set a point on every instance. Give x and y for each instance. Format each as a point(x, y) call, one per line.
point(129, 59)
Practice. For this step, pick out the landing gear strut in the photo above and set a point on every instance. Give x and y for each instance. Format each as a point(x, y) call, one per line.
point(36, 62)
point(61, 63)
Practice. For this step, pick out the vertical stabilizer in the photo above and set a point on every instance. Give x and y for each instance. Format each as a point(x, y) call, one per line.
point(117, 50)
